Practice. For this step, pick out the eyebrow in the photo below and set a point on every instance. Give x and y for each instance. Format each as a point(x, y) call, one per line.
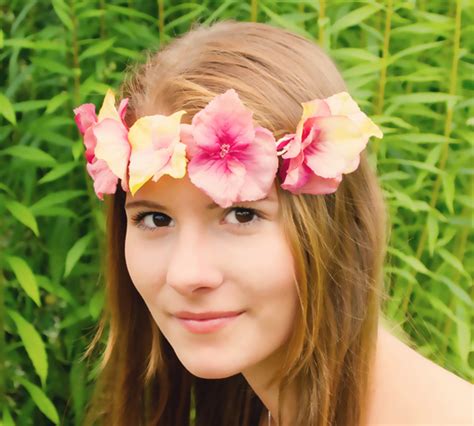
point(154, 205)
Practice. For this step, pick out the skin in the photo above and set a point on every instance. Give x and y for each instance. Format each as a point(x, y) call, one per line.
point(196, 258)
point(199, 259)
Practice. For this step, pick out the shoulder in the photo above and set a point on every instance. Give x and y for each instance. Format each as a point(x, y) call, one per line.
point(409, 389)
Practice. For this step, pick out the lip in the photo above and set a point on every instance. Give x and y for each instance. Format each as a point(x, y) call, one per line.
point(206, 315)
point(209, 322)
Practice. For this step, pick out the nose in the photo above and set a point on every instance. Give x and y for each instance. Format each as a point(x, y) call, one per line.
point(193, 264)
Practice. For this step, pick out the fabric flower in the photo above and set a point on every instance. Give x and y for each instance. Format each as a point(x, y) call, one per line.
point(327, 144)
point(230, 159)
point(156, 149)
point(106, 142)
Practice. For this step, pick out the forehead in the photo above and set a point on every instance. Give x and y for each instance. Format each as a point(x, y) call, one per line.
point(179, 191)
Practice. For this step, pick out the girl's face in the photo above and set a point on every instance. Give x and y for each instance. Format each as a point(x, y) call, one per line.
point(187, 254)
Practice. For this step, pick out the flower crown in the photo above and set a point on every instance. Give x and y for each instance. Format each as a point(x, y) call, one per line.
point(225, 154)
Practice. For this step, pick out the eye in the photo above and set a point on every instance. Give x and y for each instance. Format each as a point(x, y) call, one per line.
point(151, 221)
point(243, 216)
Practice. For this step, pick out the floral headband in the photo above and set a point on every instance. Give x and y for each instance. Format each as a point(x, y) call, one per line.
point(225, 155)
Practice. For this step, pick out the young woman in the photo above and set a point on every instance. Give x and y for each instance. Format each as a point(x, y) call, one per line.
point(246, 235)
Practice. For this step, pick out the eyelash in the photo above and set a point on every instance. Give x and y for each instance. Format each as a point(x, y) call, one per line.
point(137, 219)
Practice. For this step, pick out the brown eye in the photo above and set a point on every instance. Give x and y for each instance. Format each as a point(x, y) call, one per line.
point(151, 220)
point(157, 219)
point(243, 216)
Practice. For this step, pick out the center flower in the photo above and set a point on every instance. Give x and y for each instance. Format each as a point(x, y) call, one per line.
point(225, 147)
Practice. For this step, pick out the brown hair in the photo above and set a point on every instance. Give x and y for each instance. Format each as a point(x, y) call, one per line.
point(337, 240)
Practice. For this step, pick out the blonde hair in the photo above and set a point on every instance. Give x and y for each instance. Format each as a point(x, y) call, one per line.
point(337, 241)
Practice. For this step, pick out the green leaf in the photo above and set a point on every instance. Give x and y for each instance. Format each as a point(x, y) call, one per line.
point(7, 417)
point(414, 49)
point(77, 383)
point(63, 13)
point(31, 154)
point(463, 335)
point(33, 344)
point(56, 102)
point(96, 304)
point(422, 98)
point(454, 288)
point(433, 232)
point(453, 261)
point(23, 214)
point(41, 400)
point(127, 53)
point(55, 198)
point(56, 211)
point(422, 28)
point(449, 190)
point(25, 277)
point(356, 54)
point(131, 13)
point(410, 261)
point(52, 66)
point(97, 48)
point(284, 23)
point(354, 17)
point(6, 109)
point(5, 188)
point(32, 105)
point(75, 253)
point(58, 172)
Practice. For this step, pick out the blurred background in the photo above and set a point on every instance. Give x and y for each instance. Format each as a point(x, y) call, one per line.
point(409, 65)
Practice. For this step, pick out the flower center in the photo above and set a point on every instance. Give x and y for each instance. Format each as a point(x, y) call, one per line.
point(225, 147)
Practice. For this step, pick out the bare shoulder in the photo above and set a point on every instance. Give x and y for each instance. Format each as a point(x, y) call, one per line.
point(409, 389)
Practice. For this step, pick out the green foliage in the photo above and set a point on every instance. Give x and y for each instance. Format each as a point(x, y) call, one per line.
point(409, 64)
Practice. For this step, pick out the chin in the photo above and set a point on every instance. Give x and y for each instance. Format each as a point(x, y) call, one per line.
point(209, 370)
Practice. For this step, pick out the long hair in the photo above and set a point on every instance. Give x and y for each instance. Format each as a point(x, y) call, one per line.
point(337, 240)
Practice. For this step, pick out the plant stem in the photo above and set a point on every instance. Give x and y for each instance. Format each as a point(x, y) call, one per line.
point(383, 69)
point(102, 20)
point(445, 150)
point(2, 339)
point(254, 10)
point(161, 21)
point(459, 253)
point(322, 15)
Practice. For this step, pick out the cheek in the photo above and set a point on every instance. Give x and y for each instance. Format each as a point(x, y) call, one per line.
point(146, 273)
point(269, 278)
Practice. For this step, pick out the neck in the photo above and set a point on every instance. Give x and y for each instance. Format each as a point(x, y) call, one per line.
point(258, 378)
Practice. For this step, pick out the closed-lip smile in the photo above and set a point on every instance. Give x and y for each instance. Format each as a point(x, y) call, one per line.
point(203, 316)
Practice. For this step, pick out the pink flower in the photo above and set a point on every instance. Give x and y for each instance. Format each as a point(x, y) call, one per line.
point(156, 149)
point(106, 141)
point(328, 141)
point(230, 159)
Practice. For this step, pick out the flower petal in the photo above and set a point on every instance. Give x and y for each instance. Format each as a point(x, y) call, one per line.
point(337, 145)
point(144, 163)
point(90, 143)
point(122, 110)
point(186, 136)
point(112, 146)
point(85, 117)
point(105, 181)
point(220, 179)
point(302, 180)
point(225, 120)
point(314, 108)
point(156, 149)
point(343, 104)
point(261, 164)
point(108, 109)
point(293, 173)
